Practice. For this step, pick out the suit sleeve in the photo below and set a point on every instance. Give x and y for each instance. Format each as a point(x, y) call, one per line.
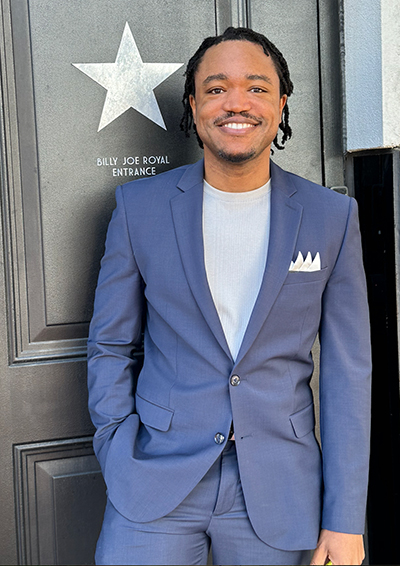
point(114, 332)
point(345, 374)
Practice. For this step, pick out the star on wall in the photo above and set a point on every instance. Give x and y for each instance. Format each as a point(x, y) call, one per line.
point(129, 82)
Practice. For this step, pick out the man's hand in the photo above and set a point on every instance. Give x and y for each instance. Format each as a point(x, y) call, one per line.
point(339, 548)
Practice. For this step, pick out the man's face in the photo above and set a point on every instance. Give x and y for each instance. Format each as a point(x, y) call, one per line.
point(237, 106)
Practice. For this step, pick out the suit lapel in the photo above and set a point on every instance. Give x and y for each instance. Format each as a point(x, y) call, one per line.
point(187, 213)
point(286, 216)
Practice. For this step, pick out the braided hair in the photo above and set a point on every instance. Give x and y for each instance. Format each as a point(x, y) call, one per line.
point(238, 34)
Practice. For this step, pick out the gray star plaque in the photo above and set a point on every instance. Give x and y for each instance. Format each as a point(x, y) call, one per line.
point(129, 82)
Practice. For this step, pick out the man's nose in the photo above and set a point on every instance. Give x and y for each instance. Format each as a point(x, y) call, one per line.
point(237, 100)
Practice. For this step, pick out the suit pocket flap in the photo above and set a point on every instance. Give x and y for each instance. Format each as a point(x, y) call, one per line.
point(153, 415)
point(303, 421)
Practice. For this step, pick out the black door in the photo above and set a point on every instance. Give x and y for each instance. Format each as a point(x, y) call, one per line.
point(69, 135)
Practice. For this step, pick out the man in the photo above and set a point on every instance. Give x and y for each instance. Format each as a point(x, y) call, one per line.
point(233, 267)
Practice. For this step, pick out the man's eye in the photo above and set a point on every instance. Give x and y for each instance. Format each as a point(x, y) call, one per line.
point(215, 90)
point(257, 89)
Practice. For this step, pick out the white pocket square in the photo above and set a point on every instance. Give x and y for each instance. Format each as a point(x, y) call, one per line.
point(307, 264)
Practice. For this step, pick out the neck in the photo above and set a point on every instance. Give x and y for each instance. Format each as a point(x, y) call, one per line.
point(236, 177)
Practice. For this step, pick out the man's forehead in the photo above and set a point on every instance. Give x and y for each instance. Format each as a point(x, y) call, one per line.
point(238, 46)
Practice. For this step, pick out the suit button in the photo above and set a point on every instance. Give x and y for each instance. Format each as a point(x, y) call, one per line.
point(235, 380)
point(219, 438)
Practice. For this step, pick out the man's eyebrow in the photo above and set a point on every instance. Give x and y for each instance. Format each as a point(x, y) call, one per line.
point(217, 77)
point(223, 77)
point(259, 78)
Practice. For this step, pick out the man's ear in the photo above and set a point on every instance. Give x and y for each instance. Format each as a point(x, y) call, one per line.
point(192, 103)
point(282, 103)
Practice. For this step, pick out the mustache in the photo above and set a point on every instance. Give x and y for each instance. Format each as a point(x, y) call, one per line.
point(218, 121)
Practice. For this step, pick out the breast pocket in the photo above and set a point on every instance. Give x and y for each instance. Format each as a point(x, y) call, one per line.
point(294, 277)
point(153, 415)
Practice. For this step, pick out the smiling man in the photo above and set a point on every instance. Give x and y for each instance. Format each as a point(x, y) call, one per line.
point(232, 267)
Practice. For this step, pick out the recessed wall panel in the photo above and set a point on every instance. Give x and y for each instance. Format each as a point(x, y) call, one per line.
point(72, 157)
point(61, 496)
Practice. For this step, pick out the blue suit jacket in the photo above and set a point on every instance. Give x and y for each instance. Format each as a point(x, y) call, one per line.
point(155, 439)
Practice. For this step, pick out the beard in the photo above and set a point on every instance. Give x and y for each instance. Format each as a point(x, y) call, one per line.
point(236, 157)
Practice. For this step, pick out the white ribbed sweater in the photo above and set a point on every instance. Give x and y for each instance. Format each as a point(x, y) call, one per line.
point(236, 235)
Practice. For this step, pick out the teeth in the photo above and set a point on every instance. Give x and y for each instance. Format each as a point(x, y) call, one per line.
point(238, 125)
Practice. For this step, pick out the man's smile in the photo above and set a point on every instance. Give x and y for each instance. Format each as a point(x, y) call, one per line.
point(238, 125)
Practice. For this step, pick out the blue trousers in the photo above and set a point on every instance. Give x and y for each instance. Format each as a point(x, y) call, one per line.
point(214, 512)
